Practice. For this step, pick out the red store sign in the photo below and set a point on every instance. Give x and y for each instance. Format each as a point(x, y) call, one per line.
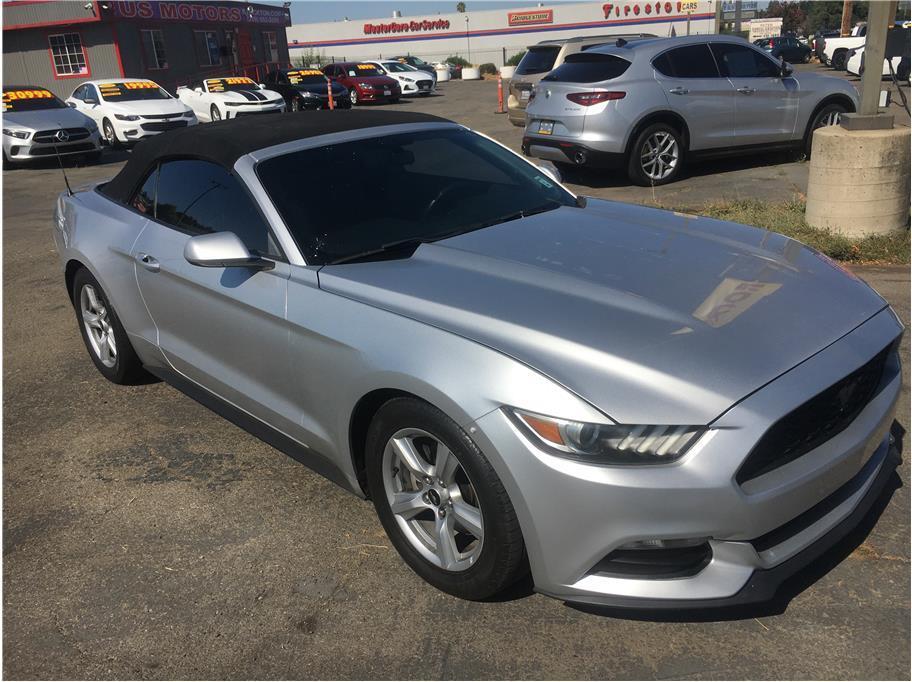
point(407, 26)
point(643, 8)
point(530, 18)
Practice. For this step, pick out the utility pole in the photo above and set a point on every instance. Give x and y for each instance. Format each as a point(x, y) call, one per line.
point(846, 27)
point(880, 16)
point(737, 16)
point(468, 44)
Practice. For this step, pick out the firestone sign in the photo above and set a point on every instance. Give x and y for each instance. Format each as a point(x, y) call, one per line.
point(199, 11)
point(407, 26)
point(645, 8)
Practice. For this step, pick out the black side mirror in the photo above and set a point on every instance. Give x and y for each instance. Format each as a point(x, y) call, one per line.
point(785, 69)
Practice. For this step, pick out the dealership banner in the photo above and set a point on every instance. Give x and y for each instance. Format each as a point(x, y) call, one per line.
point(236, 13)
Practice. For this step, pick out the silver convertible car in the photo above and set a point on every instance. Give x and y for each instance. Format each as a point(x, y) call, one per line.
point(640, 407)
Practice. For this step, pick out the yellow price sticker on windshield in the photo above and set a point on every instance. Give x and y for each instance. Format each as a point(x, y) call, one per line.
point(366, 67)
point(10, 97)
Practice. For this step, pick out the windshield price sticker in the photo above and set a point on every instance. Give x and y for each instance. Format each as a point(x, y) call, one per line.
point(219, 84)
point(10, 97)
point(118, 89)
point(366, 67)
point(296, 76)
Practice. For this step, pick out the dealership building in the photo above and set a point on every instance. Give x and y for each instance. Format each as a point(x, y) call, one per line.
point(56, 45)
point(493, 35)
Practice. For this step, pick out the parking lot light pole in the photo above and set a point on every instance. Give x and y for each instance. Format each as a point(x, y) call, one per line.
point(880, 16)
point(468, 44)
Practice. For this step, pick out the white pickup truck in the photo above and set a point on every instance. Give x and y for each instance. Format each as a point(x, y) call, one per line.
point(836, 50)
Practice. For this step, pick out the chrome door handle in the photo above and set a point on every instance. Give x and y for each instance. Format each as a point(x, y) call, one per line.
point(148, 262)
point(747, 91)
point(679, 91)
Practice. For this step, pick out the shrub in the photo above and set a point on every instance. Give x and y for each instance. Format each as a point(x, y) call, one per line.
point(458, 61)
point(488, 68)
point(516, 58)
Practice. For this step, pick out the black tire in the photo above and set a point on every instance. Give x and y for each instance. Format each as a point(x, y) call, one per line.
point(839, 59)
point(806, 59)
point(127, 368)
point(635, 170)
point(214, 114)
point(502, 558)
point(817, 122)
point(109, 134)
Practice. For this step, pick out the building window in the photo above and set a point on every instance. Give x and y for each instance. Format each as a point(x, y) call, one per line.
point(272, 46)
point(67, 54)
point(207, 47)
point(153, 45)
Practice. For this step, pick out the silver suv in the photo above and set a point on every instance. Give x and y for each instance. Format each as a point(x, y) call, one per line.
point(649, 105)
point(541, 59)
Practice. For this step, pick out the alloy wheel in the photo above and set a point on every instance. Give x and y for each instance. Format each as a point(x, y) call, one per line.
point(659, 155)
point(830, 118)
point(353, 96)
point(98, 326)
point(110, 135)
point(432, 499)
point(296, 104)
point(215, 114)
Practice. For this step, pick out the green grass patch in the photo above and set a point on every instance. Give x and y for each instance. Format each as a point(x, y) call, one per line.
point(788, 219)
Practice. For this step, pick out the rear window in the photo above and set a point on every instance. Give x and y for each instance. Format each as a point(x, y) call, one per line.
point(538, 60)
point(588, 67)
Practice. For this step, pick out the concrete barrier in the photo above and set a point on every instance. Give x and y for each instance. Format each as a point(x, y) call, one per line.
point(507, 72)
point(859, 181)
point(470, 73)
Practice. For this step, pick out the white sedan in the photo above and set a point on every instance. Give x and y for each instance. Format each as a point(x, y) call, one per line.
point(130, 109)
point(855, 64)
point(411, 80)
point(214, 99)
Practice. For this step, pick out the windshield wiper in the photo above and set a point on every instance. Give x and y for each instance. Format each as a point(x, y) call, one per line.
point(415, 242)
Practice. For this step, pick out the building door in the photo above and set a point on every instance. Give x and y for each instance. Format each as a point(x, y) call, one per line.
point(231, 44)
point(245, 48)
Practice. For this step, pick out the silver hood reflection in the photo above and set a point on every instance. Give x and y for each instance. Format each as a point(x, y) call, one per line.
point(47, 119)
point(651, 316)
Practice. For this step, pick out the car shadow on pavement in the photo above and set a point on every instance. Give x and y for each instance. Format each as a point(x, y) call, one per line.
point(790, 588)
point(609, 178)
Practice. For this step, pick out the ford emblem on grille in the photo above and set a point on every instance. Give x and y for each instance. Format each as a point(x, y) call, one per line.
point(62, 136)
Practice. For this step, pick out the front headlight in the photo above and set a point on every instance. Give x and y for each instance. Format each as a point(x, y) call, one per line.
point(189, 113)
point(19, 134)
point(91, 126)
point(610, 443)
point(126, 117)
point(232, 104)
point(408, 80)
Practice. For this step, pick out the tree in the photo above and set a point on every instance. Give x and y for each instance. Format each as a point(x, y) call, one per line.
point(460, 7)
point(794, 15)
point(828, 14)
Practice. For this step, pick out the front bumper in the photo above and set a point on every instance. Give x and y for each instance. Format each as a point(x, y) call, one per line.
point(29, 150)
point(574, 515)
point(251, 110)
point(131, 131)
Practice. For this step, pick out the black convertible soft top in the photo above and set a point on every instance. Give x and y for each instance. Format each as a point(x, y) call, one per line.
point(224, 142)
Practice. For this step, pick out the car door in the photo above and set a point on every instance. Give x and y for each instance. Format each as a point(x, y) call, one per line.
point(694, 89)
point(193, 97)
point(223, 328)
point(89, 103)
point(766, 104)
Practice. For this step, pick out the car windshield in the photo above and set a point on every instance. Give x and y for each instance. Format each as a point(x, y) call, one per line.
point(538, 60)
point(30, 99)
point(231, 84)
point(456, 181)
point(306, 77)
point(355, 70)
point(131, 91)
point(396, 67)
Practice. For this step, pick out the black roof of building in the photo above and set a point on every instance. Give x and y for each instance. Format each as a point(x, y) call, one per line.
point(224, 142)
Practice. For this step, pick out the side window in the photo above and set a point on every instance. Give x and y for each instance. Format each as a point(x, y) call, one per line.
point(739, 61)
point(144, 199)
point(91, 92)
point(199, 197)
point(689, 61)
point(79, 93)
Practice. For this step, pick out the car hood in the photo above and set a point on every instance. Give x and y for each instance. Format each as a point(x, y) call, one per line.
point(47, 119)
point(252, 95)
point(149, 106)
point(651, 316)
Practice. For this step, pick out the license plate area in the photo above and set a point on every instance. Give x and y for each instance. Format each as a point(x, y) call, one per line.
point(545, 127)
point(524, 95)
point(386, 92)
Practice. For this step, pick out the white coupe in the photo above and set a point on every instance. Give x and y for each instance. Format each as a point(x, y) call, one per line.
point(214, 99)
point(130, 109)
point(411, 80)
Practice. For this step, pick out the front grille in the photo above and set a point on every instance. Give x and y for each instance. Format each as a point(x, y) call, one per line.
point(48, 136)
point(158, 117)
point(425, 85)
point(159, 126)
point(816, 421)
point(63, 149)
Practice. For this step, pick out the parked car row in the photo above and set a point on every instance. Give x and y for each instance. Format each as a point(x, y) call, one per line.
point(847, 53)
point(123, 111)
point(648, 105)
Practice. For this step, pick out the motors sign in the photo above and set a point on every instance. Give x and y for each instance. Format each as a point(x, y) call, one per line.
point(530, 18)
point(235, 13)
point(407, 27)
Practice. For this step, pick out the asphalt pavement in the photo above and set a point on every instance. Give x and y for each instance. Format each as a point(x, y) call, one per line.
point(145, 537)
